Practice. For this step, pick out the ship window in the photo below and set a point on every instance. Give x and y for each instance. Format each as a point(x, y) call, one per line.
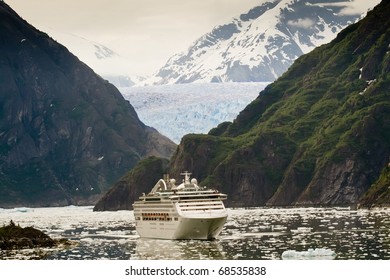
point(156, 216)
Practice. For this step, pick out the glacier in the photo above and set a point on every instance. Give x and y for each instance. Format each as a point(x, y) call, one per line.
point(180, 109)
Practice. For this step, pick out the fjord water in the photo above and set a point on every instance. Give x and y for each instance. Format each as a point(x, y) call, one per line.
point(255, 233)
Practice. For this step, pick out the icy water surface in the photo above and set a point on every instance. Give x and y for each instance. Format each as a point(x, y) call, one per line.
point(256, 233)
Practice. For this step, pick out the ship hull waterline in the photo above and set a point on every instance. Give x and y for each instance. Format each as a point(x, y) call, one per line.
point(184, 228)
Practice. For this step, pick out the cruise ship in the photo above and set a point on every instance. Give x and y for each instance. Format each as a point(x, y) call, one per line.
point(185, 211)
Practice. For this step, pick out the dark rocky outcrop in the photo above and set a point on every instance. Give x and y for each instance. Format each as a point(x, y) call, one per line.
point(66, 134)
point(14, 237)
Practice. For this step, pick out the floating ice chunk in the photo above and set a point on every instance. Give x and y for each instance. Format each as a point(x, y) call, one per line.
point(279, 227)
point(302, 229)
point(22, 209)
point(318, 254)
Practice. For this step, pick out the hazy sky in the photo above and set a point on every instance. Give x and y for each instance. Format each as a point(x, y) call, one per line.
point(147, 32)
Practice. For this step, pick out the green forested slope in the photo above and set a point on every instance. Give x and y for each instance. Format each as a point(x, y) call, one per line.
point(320, 134)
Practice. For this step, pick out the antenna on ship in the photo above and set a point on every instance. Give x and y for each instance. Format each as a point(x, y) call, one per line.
point(186, 175)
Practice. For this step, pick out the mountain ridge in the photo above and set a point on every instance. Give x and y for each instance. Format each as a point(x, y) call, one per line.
point(65, 133)
point(325, 149)
point(257, 46)
point(103, 60)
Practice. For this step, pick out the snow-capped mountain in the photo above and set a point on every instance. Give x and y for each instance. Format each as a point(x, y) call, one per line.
point(103, 60)
point(261, 44)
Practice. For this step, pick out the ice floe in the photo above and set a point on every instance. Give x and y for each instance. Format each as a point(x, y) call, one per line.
point(318, 253)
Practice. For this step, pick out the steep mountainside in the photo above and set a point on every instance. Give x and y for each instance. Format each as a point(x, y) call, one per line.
point(320, 134)
point(259, 46)
point(137, 181)
point(65, 133)
point(379, 192)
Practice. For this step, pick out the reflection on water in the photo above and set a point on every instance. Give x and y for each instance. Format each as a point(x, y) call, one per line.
point(145, 249)
point(248, 234)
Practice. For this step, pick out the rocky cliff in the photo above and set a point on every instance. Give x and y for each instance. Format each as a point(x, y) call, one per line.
point(126, 190)
point(319, 135)
point(379, 193)
point(66, 134)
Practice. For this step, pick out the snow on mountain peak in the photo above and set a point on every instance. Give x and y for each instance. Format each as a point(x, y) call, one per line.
point(260, 45)
point(102, 52)
point(99, 57)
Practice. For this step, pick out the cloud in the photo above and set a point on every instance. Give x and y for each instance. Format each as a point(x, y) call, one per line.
point(358, 7)
point(302, 23)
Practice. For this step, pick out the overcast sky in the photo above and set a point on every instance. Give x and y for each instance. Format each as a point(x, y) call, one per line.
point(148, 32)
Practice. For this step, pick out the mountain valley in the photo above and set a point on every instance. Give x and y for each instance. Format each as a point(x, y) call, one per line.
point(319, 135)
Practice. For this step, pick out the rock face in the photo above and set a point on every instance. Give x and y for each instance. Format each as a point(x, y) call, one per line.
point(141, 179)
point(379, 193)
point(319, 135)
point(65, 133)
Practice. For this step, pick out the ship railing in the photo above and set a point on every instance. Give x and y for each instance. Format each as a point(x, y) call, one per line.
point(203, 208)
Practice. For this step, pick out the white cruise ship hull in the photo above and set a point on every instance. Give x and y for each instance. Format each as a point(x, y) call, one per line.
point(184, 228)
